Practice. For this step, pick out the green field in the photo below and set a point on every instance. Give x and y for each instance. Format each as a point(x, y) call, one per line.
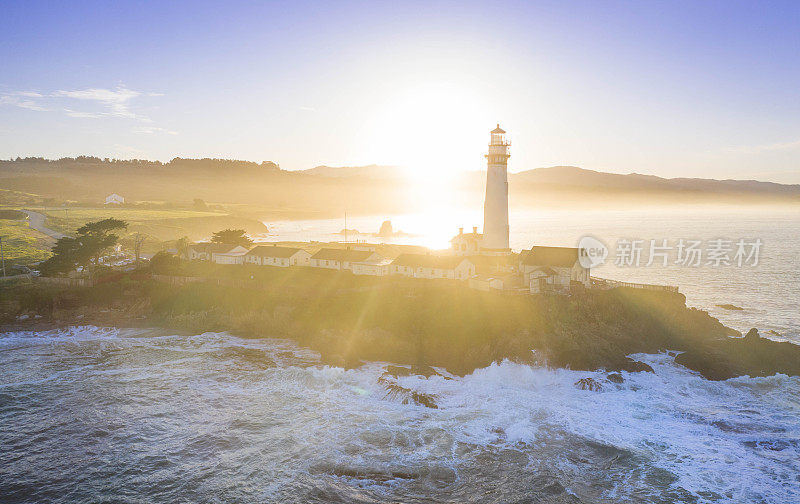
point(160, 227)
point(67, 220)
point(22, 245)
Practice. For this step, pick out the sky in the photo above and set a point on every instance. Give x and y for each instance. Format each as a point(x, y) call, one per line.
point(675, 89)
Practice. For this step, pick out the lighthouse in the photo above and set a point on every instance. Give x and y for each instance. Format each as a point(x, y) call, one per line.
point(495, 208)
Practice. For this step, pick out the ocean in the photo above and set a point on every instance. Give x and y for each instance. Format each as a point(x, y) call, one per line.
point(119, 415)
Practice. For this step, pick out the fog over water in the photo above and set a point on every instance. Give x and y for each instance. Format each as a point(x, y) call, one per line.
point(92, 414)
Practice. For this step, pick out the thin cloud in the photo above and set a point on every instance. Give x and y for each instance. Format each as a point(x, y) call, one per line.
point(19, 100)
point(308, 109)
point(116, 102)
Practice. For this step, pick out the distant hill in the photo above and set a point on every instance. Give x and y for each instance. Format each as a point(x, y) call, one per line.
point(87, 180)
point(369, 171)
point(371, 189)
point(572, 176)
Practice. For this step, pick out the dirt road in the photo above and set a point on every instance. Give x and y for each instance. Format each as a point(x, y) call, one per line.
point(36, 221)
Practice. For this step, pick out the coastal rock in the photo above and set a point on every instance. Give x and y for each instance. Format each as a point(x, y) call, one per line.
point(589, 384)
point(500, 432)
point(441, 324)
point(386, 230)
point(396, 392)
point(728, 306)
point(615, 378)
point(418, 370)
point(707, 363)
point(751, 355)
point(633, 366)
point(752, 335)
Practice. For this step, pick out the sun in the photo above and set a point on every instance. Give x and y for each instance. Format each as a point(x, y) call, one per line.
point(431, 130)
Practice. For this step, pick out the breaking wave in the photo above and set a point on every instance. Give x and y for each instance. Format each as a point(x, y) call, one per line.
point(93, 414)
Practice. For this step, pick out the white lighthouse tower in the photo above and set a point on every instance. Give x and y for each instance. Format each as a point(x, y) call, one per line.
point(495, 208)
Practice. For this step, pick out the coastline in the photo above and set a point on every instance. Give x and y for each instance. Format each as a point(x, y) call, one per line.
point(423, 324)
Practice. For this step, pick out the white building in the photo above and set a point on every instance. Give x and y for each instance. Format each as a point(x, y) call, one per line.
point(379, 267)
point(206, 251)
point(341, 259)
point(466, 244)
point(496, 273)
point(233, 256)
point(429, 266)
point(552, 269)
point(272, 255)
point(486, 283)
point(114, 199)
point(495, 208)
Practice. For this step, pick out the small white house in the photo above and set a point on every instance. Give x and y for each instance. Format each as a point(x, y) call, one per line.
point(273, 255)
point(341, 259)
point(466, 244)
point(552, 269)
point(379, 267)
point(494, 282)
point(430, 266)
point(114, 199)
point(207, 251)
point(233, 256)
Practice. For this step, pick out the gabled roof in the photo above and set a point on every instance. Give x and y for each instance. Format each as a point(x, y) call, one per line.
point(546, 270)
point(428, 261)
point(564, 257)
point(343, 255)
point(484, 263)
point(374, 262)
point(233, 253)
point(498, 129)
point(212, 248)
point(467, 236)
point(273, 251)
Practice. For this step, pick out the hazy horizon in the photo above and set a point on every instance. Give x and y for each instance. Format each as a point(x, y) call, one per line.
point(686, 89)
point(450, 174)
